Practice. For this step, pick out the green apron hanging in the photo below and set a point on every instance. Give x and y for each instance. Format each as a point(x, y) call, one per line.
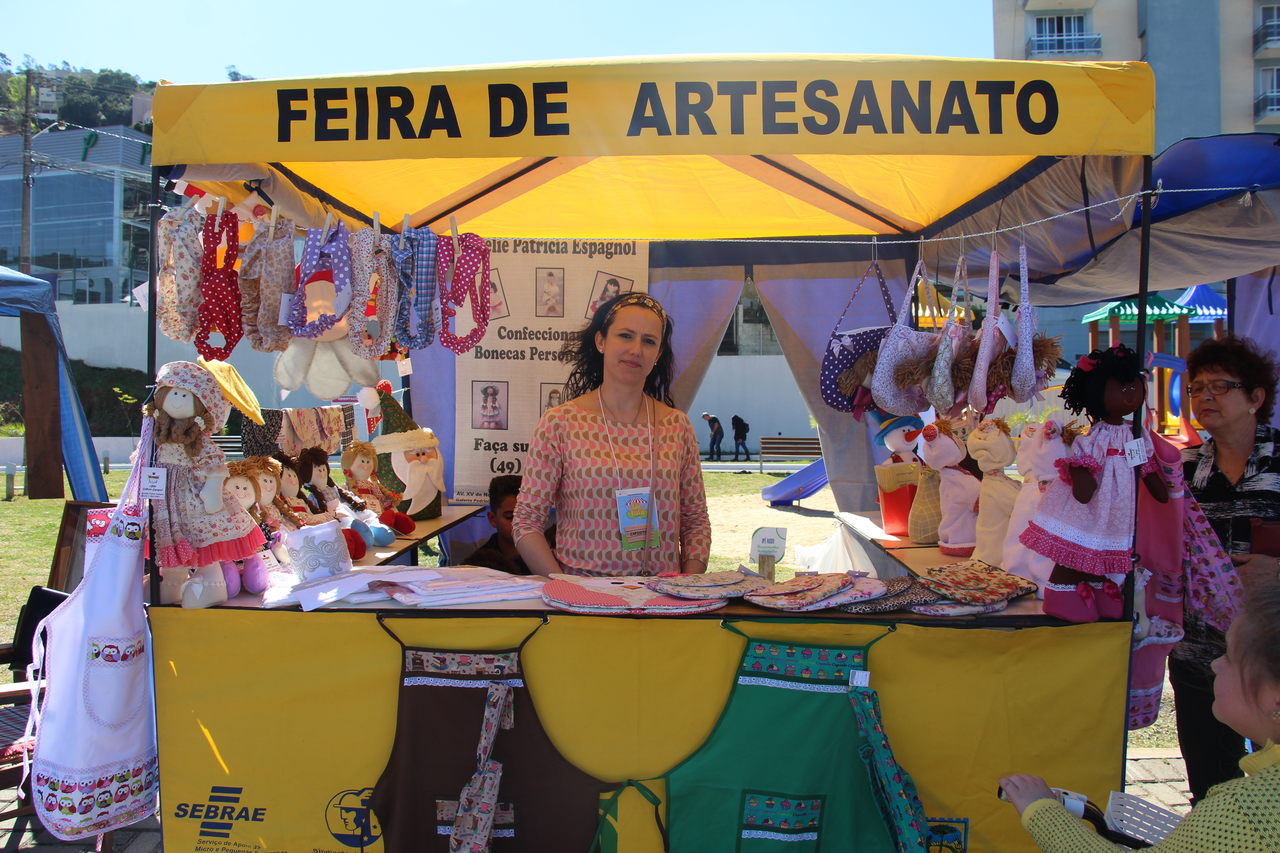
point(798, 762)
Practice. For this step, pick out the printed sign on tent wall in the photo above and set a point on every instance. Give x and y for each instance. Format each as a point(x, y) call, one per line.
point(541, 293)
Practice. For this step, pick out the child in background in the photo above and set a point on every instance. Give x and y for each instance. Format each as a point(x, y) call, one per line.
point(1237, 816)
point(499, 551)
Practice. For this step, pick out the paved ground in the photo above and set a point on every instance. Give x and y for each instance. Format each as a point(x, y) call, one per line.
point(1156, 775)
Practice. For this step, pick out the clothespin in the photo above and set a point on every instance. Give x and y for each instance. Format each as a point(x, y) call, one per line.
point(328, 220)
point(377, 225)
point(275, 214)
point(453, 262)
point(404, 229)
point(222, 203)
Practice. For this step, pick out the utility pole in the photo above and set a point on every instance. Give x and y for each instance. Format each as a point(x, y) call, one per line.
point(24, 246)
point(41, 412)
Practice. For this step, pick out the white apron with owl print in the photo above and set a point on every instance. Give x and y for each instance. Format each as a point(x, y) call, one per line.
point(95, 766)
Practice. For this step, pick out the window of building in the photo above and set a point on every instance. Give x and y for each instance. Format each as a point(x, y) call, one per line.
point(1063, 34)
point(1269, 80)
point(1268, 14)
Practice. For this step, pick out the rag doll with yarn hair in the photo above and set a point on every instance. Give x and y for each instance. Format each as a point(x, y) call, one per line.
point(241, 489)
point(195, 529)
point(352, 513)
point(307, 510)
point(1085, 519)
point(359, 466)
point(272, 513)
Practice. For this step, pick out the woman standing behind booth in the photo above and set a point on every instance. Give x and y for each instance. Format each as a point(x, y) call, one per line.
point(614, 449)
point(1235, 476)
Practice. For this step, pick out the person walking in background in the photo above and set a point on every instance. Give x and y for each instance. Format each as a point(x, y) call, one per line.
point(740, 430)
point(717, 435)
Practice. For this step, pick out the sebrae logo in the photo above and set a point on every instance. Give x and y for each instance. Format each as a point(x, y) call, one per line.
point(350, 819)
point(219, 814)
point(947, 835)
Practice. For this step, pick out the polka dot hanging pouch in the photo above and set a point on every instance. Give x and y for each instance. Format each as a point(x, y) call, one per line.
point(846, 348)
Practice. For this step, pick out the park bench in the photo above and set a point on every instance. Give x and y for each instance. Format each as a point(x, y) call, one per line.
point(788, 447)
point(229, 444)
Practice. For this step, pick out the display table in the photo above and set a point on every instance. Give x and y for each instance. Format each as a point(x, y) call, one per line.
point(291, 714)
point(404, 551)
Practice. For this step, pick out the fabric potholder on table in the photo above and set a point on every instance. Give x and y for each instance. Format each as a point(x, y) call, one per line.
point(799, 592)
point(975, 582)
point(900, 594)
point(955, 608)
point(860, 589)
point(617, 596)
point(732, 584)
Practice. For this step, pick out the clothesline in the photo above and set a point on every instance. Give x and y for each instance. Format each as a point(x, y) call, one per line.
point(875, 240)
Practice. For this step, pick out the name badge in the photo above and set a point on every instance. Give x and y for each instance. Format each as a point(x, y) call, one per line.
point(637, 520)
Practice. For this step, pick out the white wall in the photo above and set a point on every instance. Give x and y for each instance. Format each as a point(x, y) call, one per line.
point(760, 389)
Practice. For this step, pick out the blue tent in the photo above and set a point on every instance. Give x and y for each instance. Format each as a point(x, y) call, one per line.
point(1208, 304)
point(21, 293)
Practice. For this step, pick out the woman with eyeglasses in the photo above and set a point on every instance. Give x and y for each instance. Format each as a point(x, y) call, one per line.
point(1235, 477)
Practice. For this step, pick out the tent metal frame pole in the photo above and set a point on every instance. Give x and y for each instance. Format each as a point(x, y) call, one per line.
point(153, 271)
point(1231, 304)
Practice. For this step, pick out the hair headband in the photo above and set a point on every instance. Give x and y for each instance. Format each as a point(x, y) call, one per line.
point(643, 300)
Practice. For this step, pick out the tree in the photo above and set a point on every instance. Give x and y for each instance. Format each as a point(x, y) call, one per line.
point(80, 108)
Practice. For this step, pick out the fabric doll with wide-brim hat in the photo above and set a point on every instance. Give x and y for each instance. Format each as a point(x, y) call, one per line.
point(195, 529)
point(409, 461)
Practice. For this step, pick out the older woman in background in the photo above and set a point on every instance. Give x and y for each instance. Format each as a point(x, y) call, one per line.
point(1235, 476)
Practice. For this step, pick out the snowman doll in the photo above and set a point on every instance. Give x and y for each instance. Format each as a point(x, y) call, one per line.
point(897, 477)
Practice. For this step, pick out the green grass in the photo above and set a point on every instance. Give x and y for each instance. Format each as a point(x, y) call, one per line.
point(719, 485)
point(28, 530)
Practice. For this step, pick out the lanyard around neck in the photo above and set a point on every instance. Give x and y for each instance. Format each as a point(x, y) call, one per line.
point(608, 434)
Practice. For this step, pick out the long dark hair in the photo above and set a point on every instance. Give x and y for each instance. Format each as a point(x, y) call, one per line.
point(1085, 389)
point(588, 362)
point(308, 460)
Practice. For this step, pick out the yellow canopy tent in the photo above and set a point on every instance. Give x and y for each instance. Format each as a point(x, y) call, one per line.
point(659, 148)
point(703, 148)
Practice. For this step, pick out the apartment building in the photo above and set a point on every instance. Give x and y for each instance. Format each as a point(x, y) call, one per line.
point(1216, 62)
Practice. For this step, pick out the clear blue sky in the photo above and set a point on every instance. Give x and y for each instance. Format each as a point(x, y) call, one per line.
point(193, 42)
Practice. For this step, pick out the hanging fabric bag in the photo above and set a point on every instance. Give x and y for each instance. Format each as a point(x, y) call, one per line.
point(95, 766)
point(844, 349)
point(1022, 384)
point(900, 344)
point(954, 338)
point(991, 341)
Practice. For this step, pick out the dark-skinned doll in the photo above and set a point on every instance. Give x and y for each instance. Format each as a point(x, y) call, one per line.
point(1085, 519)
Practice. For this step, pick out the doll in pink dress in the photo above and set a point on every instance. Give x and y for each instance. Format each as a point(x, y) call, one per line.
point(196, 530)
point(1085, 519)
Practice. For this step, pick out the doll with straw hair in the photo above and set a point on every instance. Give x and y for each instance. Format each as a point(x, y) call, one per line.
point(359, 465)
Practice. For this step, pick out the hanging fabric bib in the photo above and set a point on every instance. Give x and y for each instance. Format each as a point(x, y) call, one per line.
point(219, 288)
point(375, 294)
point(414, 254)
point(324, 257)
point(94, 768)
point(473, 260)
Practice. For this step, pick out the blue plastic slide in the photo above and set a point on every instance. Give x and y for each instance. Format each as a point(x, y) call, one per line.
point(803, 483)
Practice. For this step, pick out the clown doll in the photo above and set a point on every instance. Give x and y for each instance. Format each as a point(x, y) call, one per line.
point(1085, 519)
point(359, 462)
point(195, 529)
point(897, 476)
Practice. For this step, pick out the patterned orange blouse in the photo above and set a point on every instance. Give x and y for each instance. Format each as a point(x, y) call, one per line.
point(571, 467)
